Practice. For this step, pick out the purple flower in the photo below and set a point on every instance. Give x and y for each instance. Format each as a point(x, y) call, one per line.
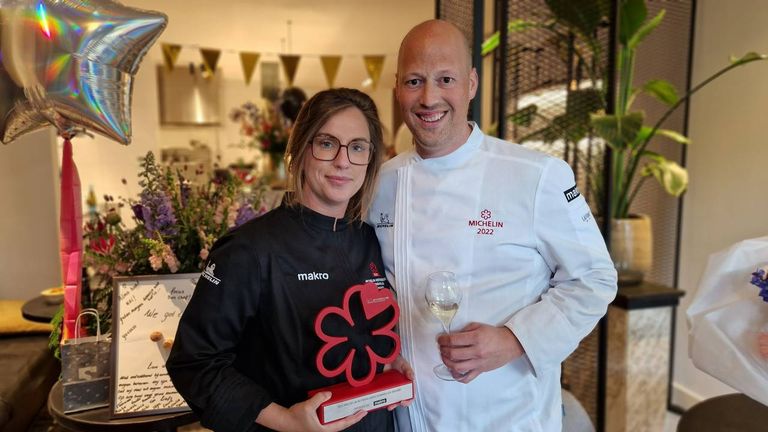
point(760, 280)
point(244, 214)
point(157, 214)
point(138, 211)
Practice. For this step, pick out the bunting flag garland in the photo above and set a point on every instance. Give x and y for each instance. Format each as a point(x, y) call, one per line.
point(170, 54)
point(248, 61)
point(374, 65)
point(330, 67)
point(210, 59)
point(71, 239)
point(290, 65)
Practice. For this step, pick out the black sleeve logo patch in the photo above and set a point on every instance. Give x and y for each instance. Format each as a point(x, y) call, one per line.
point(571, 194)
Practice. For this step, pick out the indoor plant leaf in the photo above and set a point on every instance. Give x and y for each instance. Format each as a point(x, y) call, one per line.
point(632, 14)
point(618, 132)
point(582, 15)
point(581, 103)
point(748, 57)
point(645, 29)
point(492, 42)
point(524, 116)
point(671, 176)
point(662, 90)
point(674, 136)
point(646, 131)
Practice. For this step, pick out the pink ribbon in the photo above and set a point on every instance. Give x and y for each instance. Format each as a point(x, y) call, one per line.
point(71, 225)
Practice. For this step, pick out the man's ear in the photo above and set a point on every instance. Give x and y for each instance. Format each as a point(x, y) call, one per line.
point(473, 80)
point(394, 87)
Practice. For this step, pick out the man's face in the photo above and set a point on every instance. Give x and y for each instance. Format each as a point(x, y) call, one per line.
point(434, 87)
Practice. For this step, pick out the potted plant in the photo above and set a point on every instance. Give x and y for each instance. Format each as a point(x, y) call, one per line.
point(626, 133)
point(623, 130)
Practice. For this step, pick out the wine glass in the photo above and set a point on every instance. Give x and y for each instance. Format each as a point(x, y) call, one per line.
point(443, 296)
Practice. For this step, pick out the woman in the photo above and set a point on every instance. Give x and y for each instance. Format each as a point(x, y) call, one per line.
point(244, 356)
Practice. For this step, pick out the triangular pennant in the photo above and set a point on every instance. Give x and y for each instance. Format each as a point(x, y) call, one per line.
point(170, 54)
point(374, 65)
point(331, 68)
point(248, 61)
point(290, 65)
point(210, 59)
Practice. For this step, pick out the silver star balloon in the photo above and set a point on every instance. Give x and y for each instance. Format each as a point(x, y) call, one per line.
point(71, 64)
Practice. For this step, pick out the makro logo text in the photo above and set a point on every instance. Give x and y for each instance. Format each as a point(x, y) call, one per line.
point(312, 276)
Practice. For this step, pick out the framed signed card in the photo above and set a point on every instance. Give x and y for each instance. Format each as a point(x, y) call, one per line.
point(145, 315)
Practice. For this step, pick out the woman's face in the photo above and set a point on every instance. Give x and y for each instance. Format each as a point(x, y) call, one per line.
point(330, 184)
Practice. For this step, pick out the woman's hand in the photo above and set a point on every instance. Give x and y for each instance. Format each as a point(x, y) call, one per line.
point(401, 365)
point(302, 417)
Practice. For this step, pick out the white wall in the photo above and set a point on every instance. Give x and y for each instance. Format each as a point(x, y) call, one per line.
point(350, 28)
point(29, 166)
point(29, 244)
point(727, 200)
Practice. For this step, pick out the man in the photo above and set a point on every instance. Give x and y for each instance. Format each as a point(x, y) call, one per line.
point(511, 225)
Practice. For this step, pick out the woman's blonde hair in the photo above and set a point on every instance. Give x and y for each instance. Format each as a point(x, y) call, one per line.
point(313, 115)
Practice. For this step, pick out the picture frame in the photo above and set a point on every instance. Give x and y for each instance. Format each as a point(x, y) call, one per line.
point(145, 315)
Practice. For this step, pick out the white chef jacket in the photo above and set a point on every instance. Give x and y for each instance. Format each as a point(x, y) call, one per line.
point(528, 255)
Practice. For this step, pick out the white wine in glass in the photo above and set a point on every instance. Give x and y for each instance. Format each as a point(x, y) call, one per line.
point(443, 297)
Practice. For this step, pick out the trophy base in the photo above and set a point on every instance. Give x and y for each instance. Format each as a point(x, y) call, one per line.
point(388, 388)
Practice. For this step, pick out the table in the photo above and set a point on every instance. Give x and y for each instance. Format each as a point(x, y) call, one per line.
point(40, 309)
point(99, 420)
point(732, 412)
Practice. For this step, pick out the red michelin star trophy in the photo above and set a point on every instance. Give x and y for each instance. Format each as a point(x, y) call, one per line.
point(372, 391)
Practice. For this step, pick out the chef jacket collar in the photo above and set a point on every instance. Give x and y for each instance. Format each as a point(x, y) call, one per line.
point(316, 220)
point(458, 156)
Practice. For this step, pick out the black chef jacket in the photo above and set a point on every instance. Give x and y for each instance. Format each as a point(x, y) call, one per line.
point(247, 336)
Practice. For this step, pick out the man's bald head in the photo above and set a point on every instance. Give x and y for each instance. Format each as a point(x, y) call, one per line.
point(435, 31)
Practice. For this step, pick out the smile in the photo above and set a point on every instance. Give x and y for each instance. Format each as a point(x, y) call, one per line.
point(338, 180)
point(431, 117)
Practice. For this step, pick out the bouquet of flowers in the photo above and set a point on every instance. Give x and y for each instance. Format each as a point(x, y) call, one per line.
point(175, 225)
point(266, 130)
point(760, 280)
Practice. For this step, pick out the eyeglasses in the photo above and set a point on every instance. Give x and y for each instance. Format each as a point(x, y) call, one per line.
point(326, 148)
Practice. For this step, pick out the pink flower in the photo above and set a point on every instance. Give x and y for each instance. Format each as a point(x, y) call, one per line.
point(156, 262)
point(203, 254)
point(170, 259)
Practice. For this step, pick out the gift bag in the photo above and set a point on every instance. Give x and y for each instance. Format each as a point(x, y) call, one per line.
point(726, 316)
point(85, 368)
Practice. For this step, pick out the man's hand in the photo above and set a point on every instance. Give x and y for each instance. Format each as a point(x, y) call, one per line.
point(478, 348)
point(401, 365)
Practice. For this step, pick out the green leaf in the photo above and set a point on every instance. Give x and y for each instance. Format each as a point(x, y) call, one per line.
point(674, 136)
point(748, 57)
point(662, 90)
point(581, 103)
point(632, 13)
point(514, 26)
point(671, 176)
point(645, 133)
point(582, 16)
point(570, 128)
point(645, 30)
point(524, 117)
point(619, 133)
